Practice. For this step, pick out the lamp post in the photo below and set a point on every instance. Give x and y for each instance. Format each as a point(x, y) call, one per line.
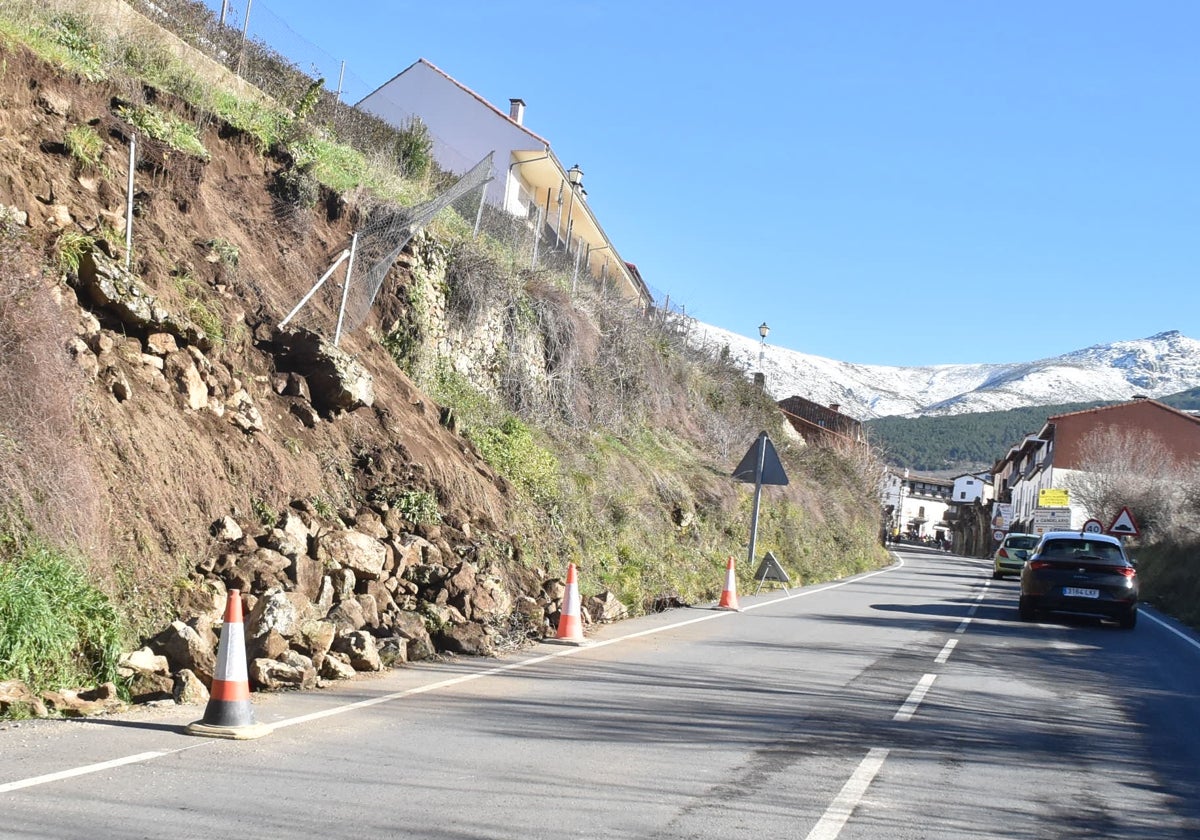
point(900, 504)
point(763, 329)
point(575, 177)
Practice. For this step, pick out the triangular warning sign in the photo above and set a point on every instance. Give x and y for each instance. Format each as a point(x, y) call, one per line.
point(770, 569)
point(1123, 525)
point(772, 469)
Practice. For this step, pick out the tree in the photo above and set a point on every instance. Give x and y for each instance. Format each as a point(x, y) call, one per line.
point(1120, 467)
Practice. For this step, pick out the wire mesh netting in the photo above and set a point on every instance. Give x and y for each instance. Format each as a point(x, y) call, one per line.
point(373, 251)
point(385, 235)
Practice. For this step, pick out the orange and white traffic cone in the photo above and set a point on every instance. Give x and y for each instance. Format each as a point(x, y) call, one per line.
point(570, 620)
point(729, 599)
point(229, 713)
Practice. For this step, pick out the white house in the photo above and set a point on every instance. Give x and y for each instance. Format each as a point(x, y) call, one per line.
point(971, 487)
point(530, 181)
point(917, 504)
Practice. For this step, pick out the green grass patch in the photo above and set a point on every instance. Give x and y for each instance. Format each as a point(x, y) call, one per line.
point(57, 630)
point(69, 248)
point(85, 145)
point(510, 448)
point(164, 127)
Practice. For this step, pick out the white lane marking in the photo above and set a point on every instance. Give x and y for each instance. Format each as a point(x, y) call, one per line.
point(962, 626)
point(914, 699)
point(465, 678)
point(945, 654)
point(83, 771)
point(1166, 626)
point(843, 805)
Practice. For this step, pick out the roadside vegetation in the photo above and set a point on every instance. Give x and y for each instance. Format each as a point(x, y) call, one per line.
point(57, 629)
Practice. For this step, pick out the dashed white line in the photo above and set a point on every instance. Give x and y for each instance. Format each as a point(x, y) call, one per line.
point(843, 805)
point(962, 627)
point(914, 698)
point(945, 654)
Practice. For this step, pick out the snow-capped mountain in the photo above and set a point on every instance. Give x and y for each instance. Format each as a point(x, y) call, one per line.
point(1156, 366)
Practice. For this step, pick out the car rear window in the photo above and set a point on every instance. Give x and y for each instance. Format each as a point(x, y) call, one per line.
point(1021, 542)
point(1082, 548)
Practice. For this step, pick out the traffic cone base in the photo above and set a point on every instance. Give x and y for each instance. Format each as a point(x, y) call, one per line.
point(729, 599)
point(570, 620)
point(229, 713)
point(233, 733)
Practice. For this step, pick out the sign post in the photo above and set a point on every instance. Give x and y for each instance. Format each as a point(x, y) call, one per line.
point(760, 465)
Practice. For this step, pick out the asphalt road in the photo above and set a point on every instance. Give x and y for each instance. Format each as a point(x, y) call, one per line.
point(906, 703)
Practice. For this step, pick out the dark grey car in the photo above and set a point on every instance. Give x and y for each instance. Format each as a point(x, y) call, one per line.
point(1080, 573)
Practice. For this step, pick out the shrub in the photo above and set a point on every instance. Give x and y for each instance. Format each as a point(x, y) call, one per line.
point(418, 507)
point(414, 150)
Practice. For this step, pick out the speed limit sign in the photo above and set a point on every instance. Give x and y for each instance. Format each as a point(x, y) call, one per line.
point(1093, 526)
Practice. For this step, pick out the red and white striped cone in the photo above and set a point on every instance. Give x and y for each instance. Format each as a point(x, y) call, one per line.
point(570, 620)
point(729, 599)
point(229, 713)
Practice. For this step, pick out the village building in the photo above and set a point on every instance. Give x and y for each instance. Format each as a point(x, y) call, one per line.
point(820, 423)
point(529, 183)
point(1049, 459)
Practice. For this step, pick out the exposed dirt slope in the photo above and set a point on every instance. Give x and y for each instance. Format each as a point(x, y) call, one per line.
point(159, 472)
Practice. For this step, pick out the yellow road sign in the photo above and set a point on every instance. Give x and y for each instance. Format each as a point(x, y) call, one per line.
point(1050, 497)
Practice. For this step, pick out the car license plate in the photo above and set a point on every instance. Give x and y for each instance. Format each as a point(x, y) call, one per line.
point(1075, 592)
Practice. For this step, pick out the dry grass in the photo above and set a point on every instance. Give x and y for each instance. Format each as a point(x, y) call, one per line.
point(47, 478)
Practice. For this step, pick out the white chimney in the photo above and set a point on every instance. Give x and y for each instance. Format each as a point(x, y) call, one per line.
point(516, 111)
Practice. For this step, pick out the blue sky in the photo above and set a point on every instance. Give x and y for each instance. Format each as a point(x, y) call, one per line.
point(901, 183)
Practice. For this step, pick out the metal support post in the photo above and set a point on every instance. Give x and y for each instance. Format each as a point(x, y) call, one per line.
point(346, 290)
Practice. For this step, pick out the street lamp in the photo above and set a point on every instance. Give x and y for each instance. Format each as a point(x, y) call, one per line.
point(760, 378)
point(575, 178)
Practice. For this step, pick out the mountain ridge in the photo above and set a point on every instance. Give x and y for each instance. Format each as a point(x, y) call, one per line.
point(1158, 365)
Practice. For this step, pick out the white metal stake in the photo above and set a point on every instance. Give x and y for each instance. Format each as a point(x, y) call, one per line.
point(341, 258)
point(129, 203)
point(479, 212)
point(537, 238)
point(337, 336)
point(575, 273)
point(245, 31)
